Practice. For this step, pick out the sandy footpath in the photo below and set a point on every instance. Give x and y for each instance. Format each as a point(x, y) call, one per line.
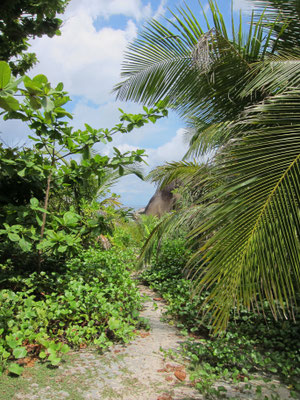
point(135, 371)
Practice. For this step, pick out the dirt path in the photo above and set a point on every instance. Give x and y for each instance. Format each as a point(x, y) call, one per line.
point(137, 371)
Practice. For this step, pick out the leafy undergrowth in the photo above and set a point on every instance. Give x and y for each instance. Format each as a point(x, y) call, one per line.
point(94, 302)
point(253, 343)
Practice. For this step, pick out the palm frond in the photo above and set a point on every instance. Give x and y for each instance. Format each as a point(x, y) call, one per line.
point(253, 252)
point(207, 138)
point(182, 171)
point(275, 74)
point(200, 69)
point(111, 177)
point(181, 221)
point(285, 16)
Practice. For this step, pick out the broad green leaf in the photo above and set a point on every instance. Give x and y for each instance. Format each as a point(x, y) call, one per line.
point(5, 354)
point(114, 323)
point(25, 245)
point(59, 87)
point(42, 210)
point(31, 86)
point(14, 237)
point(42, 355)
point(47, 104)
point(40, 79)
point(60, 113)
point(22, 172)
point(53, 357)
point(89, 128)
point(53, 347)
point(12, 343)
point(9, 103)
point(35, 102)
point(121, 170)
point(55, 361)
point(15, 115)
point(65, 349)
point(38, 220)
point(70, 218)
point(20, 352)
point(34, 202)
point(62, 249)
point(15, 369)
point(5, 74)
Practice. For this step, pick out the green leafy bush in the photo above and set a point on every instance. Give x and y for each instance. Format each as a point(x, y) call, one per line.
point(166, 275)
point(252, 343)
point(33, 182)
point(94, 302)
point(133, 232)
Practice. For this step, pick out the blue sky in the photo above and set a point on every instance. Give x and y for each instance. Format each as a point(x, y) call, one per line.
point(87, 58)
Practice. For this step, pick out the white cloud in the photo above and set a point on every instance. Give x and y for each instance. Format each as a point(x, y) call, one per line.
point(174, 150)
point(244, 5)
point(161, 9)
point(137, 193)
point(106, 8)
point(14, 133)
point(86, 60)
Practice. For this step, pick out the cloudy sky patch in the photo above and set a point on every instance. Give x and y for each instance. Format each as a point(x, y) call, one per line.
point(87, 58)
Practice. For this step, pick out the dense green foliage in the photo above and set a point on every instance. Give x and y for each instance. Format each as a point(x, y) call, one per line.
point(240, 94)
point(60, 210)
point(21, 20)
point(237, 87)
point(58, 288)
point(132, 232)
point(93, 301)
point(253, 343)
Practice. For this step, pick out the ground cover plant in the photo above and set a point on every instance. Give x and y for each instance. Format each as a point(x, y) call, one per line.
point(94, 301)
point(253, 343)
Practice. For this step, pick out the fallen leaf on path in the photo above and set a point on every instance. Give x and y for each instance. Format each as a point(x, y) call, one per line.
point(27, 361)
point(165, 397)
point(144, 334)
point(172, 368)
point(158, 299)
point(117, 351)
point(168, 378)
point(162, 370)
point(180, 375)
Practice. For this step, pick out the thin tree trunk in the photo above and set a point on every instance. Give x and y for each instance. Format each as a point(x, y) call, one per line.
point(45, 216)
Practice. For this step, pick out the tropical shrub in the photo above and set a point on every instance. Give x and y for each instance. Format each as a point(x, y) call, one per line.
point(57, 223)
point(94, 301)
point(132, 232)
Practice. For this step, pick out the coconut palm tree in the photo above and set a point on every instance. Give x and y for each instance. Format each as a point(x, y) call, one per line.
point(201, 70)
point(241, 94)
